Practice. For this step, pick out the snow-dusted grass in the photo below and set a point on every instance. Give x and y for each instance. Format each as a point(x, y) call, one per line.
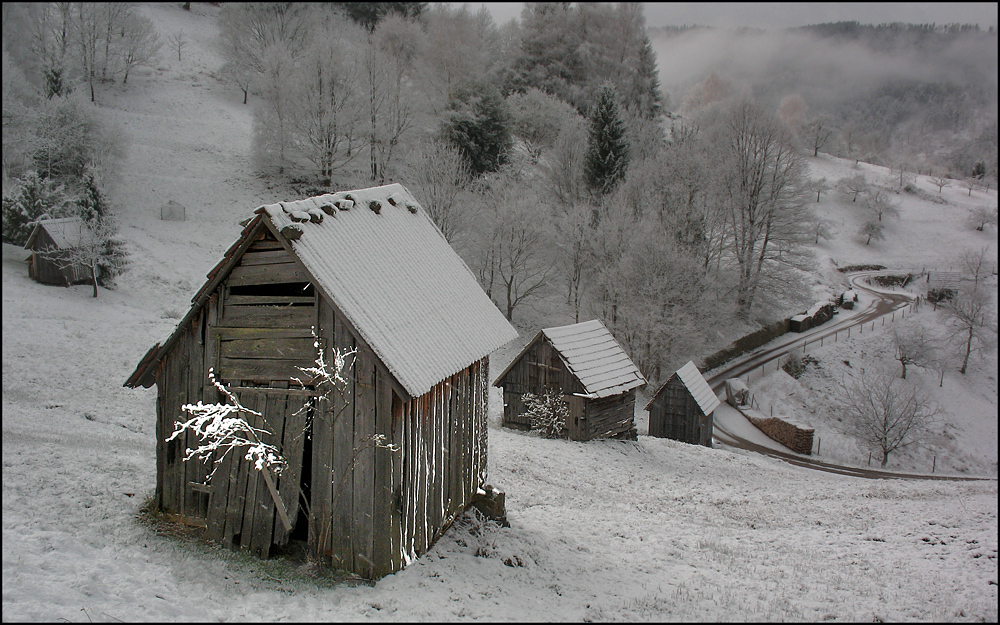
point(646, 530)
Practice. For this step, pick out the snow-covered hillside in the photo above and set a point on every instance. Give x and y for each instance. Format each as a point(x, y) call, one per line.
point(603, 530)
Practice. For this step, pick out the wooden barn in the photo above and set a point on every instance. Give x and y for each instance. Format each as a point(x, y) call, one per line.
point(596, 377)
point(50, 240)
point(682, 408)
point(371, 272)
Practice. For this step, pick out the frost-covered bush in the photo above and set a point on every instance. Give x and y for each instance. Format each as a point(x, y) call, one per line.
point(548, 412)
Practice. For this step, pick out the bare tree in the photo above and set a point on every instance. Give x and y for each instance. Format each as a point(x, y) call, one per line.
point(880, 203)
point(389, 55)
point(514, 255)
point(941, 182)
point(873, 230)
point(438, 174)
point(888, 412)
point(762, 181)
point(853, 186)
point(970, 184)
point(573, 230)
point(972, 322)
point(819, 186)
point(177, 42)
point(139, 43)
point(817, 133)
point(914, 345)
point(250, 32)
point(982, 216)
point(973, 264)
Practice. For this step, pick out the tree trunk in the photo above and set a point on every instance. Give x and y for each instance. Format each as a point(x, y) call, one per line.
point(968, 350)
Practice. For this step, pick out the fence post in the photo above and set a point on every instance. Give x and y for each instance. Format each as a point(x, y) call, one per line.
point(869, 458)
point(821, 341)
point(934, 466)
point(772, 411)
point(894, 315)
point(873, 324)
point(819, 443)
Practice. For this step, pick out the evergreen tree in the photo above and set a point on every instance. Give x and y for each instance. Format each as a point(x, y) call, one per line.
point(91, 204)
point(34, 200)
point(608, 149)
point(478, 124)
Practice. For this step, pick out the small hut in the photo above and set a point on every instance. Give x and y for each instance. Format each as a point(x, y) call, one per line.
point(370, 271)
point(682, 408)
point(173, 211)
point(50, 242)
point(587, 365)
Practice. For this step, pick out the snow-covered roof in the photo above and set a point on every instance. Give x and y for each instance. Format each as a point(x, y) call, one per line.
point(696, 384)
point(592, 354)
point(388, 268)
point(67, 232)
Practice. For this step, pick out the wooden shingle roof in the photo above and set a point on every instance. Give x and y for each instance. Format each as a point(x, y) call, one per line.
point(592, 354)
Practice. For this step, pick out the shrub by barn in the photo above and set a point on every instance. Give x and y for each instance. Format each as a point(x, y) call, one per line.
point(371, 272)
point(682, 408)
point(588, 366)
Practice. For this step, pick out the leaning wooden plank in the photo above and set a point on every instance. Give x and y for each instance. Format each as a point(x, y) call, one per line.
point(270, 424)
point(253, 401)
point(293, 443)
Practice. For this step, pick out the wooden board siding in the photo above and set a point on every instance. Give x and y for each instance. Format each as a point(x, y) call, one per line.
point(675, 414)
point(44, 263)
point(609, 417)
point(373, 509)
point(539, 367)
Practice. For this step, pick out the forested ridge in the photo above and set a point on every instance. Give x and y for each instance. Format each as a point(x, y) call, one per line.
point(552, 154)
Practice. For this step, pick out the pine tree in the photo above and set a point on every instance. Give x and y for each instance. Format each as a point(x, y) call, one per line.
point(91, 204)
point(608, 150)
point(478, 124)
point(36, 199)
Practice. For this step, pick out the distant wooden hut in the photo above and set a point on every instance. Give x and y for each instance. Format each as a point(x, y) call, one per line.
point(50, 241)
point(173, 211)
point(682, 408)
point(371, 272)
point(596, 377)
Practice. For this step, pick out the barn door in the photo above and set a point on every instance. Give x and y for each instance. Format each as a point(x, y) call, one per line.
point(242, 509)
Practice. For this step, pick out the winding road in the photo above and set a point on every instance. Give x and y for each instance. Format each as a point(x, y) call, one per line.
point(883, 303)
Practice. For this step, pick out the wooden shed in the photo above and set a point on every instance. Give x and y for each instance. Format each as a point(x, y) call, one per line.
point(50, 240)
point(371, 272)
point(596, 377)
point(682, 408)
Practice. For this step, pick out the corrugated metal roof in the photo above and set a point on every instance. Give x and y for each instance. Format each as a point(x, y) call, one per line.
point(398, 281)
point(698, 387)
point(593, 355)
point(67, 232)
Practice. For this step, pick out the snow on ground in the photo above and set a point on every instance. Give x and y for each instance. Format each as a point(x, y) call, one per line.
point(645, 530)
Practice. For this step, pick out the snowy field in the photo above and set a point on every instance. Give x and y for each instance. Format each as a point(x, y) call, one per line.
point(645, 530)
